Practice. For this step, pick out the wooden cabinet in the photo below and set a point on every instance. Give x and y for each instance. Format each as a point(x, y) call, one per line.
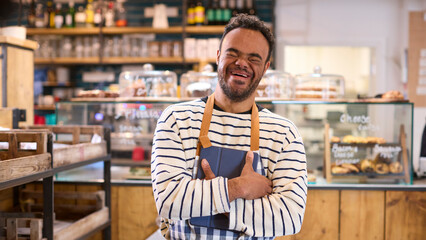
point(359, 210)
point(133, 212)
point(363, 215)
point(17, 75)
point(405, 215)
point(321, 219)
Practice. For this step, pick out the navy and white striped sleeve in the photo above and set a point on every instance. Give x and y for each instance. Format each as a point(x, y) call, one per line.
point(176, 194)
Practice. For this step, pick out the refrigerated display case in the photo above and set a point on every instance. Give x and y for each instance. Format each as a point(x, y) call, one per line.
point(327, 128)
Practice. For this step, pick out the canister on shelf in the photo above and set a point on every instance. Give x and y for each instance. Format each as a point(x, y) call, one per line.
point(166, 49)
point(177, 49)
point(154, 49)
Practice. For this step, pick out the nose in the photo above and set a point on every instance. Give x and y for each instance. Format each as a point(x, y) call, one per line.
point(241, 62)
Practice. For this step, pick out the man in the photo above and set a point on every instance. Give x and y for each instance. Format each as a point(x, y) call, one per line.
point(261, 206)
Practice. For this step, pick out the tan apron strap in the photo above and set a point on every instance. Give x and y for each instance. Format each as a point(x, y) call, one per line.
point(254, 138)
point(203, 139)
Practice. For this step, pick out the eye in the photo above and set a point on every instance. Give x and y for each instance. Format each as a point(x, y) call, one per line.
point(231, 54)
point(255, 60)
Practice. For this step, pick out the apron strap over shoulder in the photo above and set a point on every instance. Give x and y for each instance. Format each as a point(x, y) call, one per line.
point(203, 139)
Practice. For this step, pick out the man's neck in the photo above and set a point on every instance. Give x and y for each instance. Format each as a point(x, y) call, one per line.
point(228, 105)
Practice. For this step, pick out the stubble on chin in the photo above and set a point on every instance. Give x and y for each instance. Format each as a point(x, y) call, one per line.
point(236, 96)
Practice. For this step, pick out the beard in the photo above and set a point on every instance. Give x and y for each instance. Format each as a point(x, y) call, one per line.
point(237, 96)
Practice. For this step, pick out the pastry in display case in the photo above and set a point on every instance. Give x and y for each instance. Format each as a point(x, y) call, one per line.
point(275, 84)
point(319, 86)
point(362, 157)
point(97, 94)
point(148, 83)
point(198, 84)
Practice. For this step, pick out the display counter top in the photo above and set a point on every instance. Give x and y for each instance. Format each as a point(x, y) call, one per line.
point(260, 100)
point(120, 177)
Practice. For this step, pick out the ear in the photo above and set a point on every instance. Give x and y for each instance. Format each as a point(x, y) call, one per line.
point(266, 67)
point(217, 57)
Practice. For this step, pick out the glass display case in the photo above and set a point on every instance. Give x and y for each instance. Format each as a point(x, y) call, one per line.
point(275, 84)
point(346, 142)
point(148, 82)
point(319, 85)
point(198, 84)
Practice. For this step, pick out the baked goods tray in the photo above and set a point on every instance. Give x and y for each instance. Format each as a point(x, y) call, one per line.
point(381, 100)
point(128, 99)
point(369, 174)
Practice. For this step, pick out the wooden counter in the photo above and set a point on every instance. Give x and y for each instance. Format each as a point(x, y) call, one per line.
point(330, 214)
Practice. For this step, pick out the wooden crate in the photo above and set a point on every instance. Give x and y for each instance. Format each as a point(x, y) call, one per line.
point(79, 149)
point(71, 221)
point(16, 162)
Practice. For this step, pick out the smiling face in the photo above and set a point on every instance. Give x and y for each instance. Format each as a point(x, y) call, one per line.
point(242, 63)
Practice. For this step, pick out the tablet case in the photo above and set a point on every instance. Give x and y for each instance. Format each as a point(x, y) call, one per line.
point(223, 162)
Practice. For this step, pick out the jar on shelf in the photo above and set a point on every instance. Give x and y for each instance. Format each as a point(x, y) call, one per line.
point(148, 83)
point(319, 86)
point(154, 49)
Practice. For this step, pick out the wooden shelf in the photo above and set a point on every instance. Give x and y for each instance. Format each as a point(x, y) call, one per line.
point(197, 60)
point(63, 31)
point(67, 60)
point(126, 30)
point(55, 84)
point(205, 29)
point(118, 60)
point(45, 107)
point(121, 60)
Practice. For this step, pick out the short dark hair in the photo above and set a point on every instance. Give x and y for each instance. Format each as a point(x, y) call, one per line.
point(253, 23)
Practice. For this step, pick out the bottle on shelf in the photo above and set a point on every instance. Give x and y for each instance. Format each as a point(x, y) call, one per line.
point(50, 15)
point(97, 18)
point(70, 16)
point(199, 10)
point(233, 7)
point(39, 21)
point(80, 17)
point(210, 13)
point(120, 16)
point(191, 12)
point(251, 9)
point(59, 18)
point(90, 14)
point(109, 15)
point(219, 11)
point(239, 7)
point(31, 15)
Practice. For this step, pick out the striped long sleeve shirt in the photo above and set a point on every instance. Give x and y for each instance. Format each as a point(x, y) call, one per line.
point(178, 197)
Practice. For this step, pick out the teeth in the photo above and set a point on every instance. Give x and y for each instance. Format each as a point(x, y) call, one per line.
point(239, 74)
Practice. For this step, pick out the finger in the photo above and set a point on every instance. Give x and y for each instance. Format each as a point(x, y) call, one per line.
point(207, 170)
point(248, 166)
